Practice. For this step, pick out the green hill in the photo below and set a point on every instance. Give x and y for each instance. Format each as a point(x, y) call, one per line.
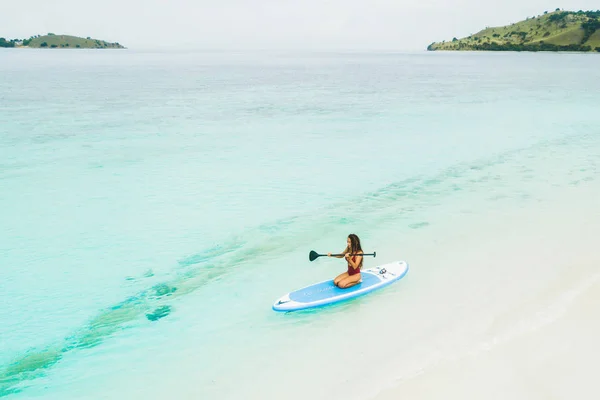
point(52, 41)
point(555, 31)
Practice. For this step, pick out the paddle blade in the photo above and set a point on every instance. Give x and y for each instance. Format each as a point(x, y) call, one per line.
point(313, 255)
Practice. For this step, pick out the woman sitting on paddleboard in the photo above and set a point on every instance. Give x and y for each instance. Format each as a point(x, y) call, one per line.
point(352, 276)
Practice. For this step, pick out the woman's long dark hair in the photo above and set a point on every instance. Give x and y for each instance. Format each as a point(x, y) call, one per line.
point(355, 245)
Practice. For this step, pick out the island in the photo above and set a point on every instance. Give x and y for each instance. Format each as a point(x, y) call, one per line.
point(552, 31)
point(52, 41)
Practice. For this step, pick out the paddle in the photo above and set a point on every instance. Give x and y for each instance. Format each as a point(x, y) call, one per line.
point(314, 255)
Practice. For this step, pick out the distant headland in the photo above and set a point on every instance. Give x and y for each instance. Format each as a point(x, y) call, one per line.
point(52, 41)
point(552, 31)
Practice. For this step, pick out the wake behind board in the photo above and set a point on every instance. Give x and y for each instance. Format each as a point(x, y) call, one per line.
point(323, 293)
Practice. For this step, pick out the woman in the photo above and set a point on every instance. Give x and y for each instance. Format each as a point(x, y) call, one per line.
point(352, 276)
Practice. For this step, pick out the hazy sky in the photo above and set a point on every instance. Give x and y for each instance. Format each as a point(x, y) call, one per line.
point(268, 24)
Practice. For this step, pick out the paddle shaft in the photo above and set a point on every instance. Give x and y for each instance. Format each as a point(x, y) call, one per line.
point(314, 255)
point(358, 254)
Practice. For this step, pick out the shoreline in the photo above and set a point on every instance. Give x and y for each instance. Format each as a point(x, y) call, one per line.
point(537, 363)
point(532, 348)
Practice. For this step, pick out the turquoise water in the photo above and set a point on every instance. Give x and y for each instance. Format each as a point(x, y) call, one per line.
point(154, 205)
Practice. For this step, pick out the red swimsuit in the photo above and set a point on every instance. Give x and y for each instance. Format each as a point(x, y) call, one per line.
point(352, 271)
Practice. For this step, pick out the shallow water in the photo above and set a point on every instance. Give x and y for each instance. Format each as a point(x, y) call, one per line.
point(154, 205)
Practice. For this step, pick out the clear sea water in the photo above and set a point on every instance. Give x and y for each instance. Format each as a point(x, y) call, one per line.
point(153, 206)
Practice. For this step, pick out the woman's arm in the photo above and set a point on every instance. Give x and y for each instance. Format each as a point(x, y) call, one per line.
point(354, 264)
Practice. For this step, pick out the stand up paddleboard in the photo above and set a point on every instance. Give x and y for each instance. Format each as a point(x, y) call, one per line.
point(323, 293)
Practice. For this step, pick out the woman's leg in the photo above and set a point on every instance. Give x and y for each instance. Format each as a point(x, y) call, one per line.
point(339, 278)
point(350, 280)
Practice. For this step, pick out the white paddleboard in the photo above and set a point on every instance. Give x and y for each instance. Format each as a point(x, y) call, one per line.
point(323, 293)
